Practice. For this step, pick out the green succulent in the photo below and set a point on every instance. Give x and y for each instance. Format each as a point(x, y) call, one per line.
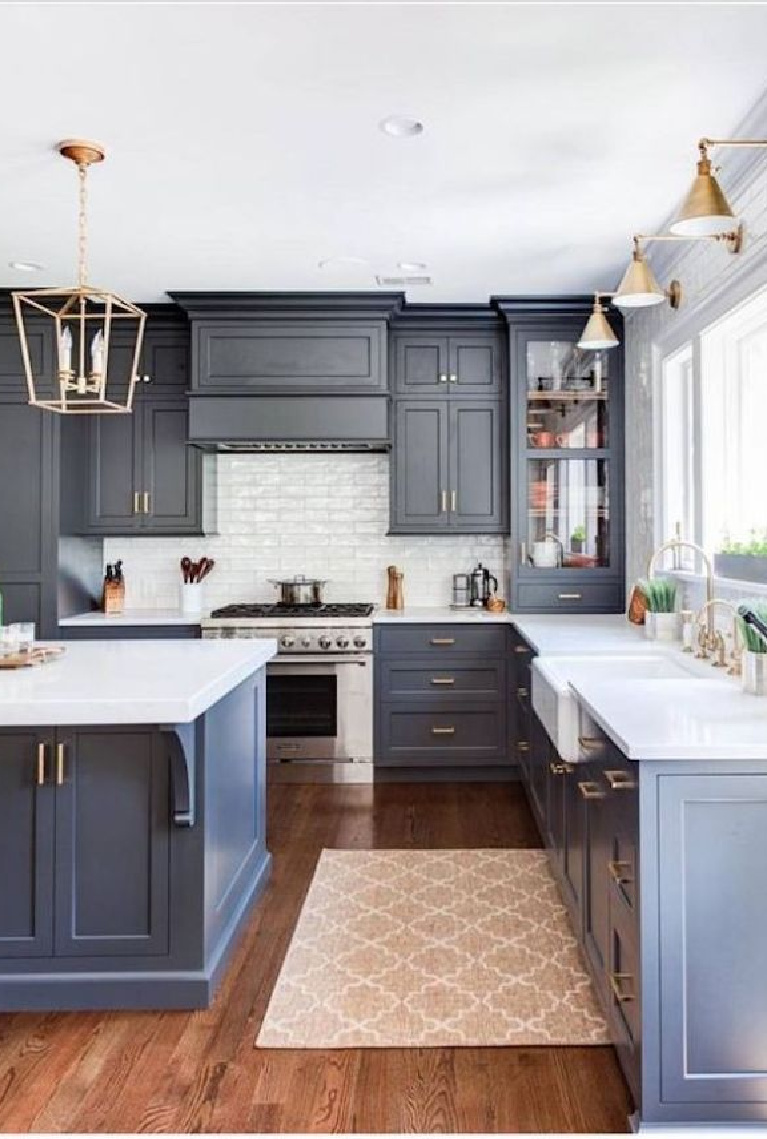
point(751, 638)
point(660, 594)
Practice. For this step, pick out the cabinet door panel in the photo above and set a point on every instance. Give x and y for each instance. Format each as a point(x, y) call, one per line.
point(114, 473)
point(420, 466)
point(421, 365)
point(26, 847)
point(112, 849)
point(475, 366)
point(475, 467)
point(172, 469)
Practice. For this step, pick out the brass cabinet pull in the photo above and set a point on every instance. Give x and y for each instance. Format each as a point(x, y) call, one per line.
point(570, 596)
point(136, 502)
point(617, 981)
point(443, 680)
point(146, 502)
point(620, 780)
point(40, 765)
point(591, 743)
point(443, 506)
point(453, 378)
point(591, 790)
point(521, 649)
point(522, 692)
point(443, 640)
point(558, 768)
point(443, 731)
point(443, 377)
point(622, 873)
point(523, 745)
point(453, 500)
point(60, 748)
point(523, 553)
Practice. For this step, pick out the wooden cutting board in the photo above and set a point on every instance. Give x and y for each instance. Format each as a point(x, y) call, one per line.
point(29, 660)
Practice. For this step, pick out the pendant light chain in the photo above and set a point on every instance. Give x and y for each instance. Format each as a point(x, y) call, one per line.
point(82, 243)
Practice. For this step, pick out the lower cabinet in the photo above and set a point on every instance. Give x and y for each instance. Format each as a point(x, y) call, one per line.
point(440, 696)
point(84, 850)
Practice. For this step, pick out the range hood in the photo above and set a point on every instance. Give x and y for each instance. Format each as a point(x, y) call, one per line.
point(291, 423)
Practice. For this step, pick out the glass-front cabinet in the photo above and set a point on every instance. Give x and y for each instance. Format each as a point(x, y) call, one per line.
point(567, 424)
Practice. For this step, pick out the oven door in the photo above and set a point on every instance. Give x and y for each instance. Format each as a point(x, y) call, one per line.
point(320, 710)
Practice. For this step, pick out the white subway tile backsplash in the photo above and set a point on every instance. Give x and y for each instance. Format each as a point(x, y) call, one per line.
point(278, 515)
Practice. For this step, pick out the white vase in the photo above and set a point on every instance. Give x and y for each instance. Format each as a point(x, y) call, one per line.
point(191, 597)
point(649, 625)
point(755, 673)
point(668, 626)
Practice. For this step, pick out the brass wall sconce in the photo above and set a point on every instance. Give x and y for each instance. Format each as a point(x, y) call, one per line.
point(598, 336)
point(705, 211)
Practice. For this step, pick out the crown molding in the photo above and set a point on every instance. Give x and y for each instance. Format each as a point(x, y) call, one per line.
point(289, 305)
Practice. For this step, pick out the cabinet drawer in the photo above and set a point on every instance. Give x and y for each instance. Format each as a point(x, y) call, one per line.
point(442, 641)
point(441, 738)
point(430, 682)
point(592, 597)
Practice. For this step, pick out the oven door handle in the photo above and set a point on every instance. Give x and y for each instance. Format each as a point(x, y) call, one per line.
point(331, 662)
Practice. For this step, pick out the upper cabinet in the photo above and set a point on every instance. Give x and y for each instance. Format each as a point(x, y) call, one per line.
point(465, 364)
point(567, 436)
point(136, 474)
point(450, 459)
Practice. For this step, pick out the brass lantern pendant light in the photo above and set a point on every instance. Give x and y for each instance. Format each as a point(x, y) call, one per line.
point(85, 320)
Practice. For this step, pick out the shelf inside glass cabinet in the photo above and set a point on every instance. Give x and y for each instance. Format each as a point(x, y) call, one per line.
point(568, 513)
point(567, 405)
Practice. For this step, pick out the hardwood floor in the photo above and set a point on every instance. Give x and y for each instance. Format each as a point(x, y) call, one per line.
point(200, 1071)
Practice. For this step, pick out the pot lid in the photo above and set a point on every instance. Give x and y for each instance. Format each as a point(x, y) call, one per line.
point(299, 579)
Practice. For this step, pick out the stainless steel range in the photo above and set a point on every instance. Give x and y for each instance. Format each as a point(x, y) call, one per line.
point(319, 694)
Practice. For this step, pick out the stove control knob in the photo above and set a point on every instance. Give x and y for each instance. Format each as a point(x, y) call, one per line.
point(287, 641)
point(343, 641)
point(306, 642)
point(360, 642)
point(324, 641)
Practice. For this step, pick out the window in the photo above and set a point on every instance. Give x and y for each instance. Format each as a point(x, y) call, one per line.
point(713, 437)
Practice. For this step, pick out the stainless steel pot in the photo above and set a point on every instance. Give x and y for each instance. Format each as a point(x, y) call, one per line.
point(300, 590)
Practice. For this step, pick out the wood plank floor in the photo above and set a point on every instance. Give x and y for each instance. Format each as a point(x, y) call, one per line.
point(129, 1072)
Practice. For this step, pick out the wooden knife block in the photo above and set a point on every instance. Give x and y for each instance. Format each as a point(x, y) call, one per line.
point(113, 600)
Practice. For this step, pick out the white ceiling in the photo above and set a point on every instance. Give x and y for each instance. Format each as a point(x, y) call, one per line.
point(243, 145)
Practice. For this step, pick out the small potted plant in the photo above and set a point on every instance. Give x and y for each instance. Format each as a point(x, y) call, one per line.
point(745, 561)
point(754, 651)
point(577, 538)
point(662, 622)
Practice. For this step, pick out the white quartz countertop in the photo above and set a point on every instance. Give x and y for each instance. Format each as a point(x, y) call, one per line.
point(437, 615)
point(129, 682)
point(582, 633)
point(98, 620)
point(678, 719)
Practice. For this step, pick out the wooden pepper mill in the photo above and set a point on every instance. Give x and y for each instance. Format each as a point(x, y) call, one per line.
point(395, 596)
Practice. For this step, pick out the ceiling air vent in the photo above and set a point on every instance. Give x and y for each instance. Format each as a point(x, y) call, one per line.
point(402, 282)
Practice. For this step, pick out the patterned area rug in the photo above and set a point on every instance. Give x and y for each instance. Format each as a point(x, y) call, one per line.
point(419, 948)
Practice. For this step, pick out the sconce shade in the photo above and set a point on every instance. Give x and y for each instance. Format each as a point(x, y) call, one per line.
point(705, 211)
point(597, 335)
point(638, 287)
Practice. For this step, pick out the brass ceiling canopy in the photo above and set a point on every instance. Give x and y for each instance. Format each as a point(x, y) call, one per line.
point(598, 336)
point(83, 317)
point(705, 211)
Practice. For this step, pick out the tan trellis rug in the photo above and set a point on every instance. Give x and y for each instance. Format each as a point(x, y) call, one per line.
point(418, 948)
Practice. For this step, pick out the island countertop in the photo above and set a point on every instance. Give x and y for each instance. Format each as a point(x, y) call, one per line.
point(129, 682)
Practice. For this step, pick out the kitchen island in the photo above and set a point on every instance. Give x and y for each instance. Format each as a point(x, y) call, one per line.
point(132, 821)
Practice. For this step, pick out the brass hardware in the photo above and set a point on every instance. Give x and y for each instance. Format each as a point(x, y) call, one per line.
point(453, 500)
point(558, 768)
point(146, 501)
point(591, 790)
point(523, 745)
point(40, 764)
point(443, 640)
point(716, 643)
point(591, 743)
point(705, 202)
point(616, 982)
point(136, 502)
point(453, 378)
point(444, 502)
point(620, 780)
point(622, 873)
point(443, 731)
point(522, 692)
point(598, 335)
point(523, 553)
point(570, 596)
point(60, 748)
point(682, 543)
point(443, 680)
point(520, 649)
point(442, 378)
point(720, 650)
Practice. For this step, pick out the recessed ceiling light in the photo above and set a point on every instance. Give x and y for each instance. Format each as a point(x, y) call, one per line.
point(340, 262)
point(401, 126)
point(412, 266)
point(26, 266)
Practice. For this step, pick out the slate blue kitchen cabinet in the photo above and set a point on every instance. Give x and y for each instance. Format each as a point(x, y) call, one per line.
point(566, 416)
point(420, 468)
point(29, 456)
point(460, 364)
point(136, 474)
point(26, 844)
